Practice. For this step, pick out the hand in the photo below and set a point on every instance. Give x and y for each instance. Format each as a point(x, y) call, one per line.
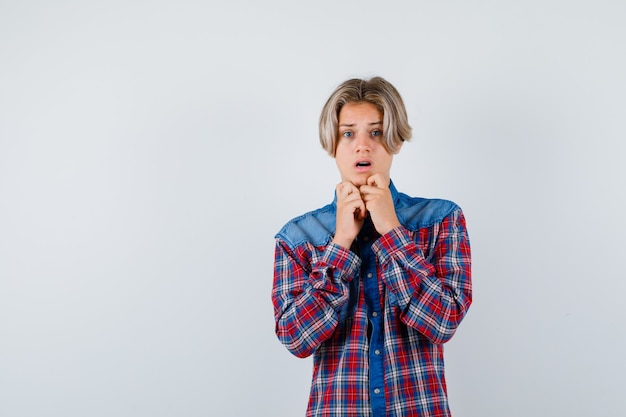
point(379, 203)
point(350, 214)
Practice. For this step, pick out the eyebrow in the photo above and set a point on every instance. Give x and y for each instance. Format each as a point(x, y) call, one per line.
point(352, 124)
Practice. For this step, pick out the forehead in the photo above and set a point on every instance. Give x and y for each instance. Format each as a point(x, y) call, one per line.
point(352, 113)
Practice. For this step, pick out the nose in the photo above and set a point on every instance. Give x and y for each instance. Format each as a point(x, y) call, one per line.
point(361, 143)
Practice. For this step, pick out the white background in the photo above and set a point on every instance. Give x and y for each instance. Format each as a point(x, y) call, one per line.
point(149, 151)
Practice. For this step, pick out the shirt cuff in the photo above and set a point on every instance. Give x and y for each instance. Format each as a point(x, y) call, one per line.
point(342, 261)
point(392, 241)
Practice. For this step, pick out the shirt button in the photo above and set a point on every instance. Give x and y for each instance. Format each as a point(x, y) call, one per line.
point(375, 314)
point(377, 391)
point(377, 352)
point(369, 274)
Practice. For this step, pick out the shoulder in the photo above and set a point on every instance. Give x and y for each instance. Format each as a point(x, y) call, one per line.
point(417, 212)
point(315, 227)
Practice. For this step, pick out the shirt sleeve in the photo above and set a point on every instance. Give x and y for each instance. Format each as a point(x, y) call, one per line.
point(308, 293)
point(434, 294)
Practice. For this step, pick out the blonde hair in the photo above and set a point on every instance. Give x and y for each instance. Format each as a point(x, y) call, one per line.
point(376, 91)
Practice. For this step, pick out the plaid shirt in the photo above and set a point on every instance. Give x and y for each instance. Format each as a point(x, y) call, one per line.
point(375, 317)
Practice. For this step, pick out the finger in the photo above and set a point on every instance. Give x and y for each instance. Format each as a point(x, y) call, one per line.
point(360, 211)
point(347, 188)
point(351, 187)
point(353, 195)
point(339, 189)
point(343, 190)
point(367, 197)
point(368, 191)
point(373, 181)
point(378, 181)
point(353, 201)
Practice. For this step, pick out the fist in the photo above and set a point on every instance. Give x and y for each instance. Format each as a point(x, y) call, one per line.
point(378, 202)
point(350, 214)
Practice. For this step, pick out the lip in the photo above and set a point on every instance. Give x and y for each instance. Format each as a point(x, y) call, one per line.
point(363, 168)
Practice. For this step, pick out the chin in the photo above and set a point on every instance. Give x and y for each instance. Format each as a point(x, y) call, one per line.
point(360, 180)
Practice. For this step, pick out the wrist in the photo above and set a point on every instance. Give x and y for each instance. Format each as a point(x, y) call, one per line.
point(343, 242)
point(388, 228)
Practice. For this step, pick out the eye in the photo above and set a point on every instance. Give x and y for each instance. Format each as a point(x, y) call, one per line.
point(377, 133)
point(346, 134)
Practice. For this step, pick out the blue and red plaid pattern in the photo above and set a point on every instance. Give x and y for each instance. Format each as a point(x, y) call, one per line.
point(424, 276)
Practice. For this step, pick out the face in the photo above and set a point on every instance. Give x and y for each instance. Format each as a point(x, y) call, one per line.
point(360, 152)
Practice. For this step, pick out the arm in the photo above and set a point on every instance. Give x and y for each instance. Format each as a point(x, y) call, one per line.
point(433, 295)
point(307, 305)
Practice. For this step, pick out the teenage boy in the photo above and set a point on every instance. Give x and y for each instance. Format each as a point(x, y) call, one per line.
point(373, 284)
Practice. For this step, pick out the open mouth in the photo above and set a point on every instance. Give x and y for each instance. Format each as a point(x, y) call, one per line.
point(363, 164)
